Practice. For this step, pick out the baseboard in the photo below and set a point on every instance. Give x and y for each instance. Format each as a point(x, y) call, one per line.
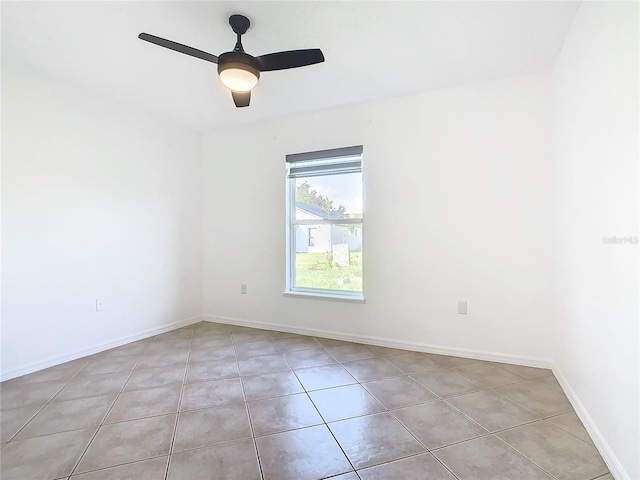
point(386, 342)
point(609, 457)
point(50, 362)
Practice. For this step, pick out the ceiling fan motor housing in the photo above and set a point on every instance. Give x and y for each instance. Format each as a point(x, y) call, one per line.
point(240, 60)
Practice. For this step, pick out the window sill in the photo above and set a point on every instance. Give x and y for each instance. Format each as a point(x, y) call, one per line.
point(324, 296)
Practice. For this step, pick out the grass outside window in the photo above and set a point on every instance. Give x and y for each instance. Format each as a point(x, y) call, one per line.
point(316, 270)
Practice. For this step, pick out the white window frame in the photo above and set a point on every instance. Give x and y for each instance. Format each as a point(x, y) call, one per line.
point(325, 162)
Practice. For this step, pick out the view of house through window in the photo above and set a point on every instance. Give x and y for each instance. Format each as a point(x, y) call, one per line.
point(325, 222)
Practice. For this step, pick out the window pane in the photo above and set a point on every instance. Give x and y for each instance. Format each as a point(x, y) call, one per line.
point(329, 197)
point(324, 223)
point(328, 257)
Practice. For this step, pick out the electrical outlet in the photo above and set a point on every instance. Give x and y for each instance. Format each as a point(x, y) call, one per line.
point(462, 307)
point(243, 289)
point(99, 305)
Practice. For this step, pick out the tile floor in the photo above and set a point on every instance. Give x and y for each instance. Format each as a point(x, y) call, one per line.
point(219, 401)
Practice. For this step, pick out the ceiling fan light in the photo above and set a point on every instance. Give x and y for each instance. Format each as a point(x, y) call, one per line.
point(238, 79)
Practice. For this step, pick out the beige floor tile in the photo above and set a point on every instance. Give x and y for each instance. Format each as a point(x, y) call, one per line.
point(129, 349)
point(416, 467)
point(211, 394)
point(372, 369)
point(488, 457)
point(202, 371)
point(488, 374)
point(65, 416)
point(62, 372)
point(212, 341)
point(325, 376)
point(386, 351)
point(303, 454)
point(155, 377)
point(153, 469)
point(153, 359)
point(145, 403)
point(571, 423)
point(540, 399)
point(212, 354)
point(414, 362)
point(271, 385)
point(11, 421)
point(210, 426)
point(255, 349)
point(278, 335)
point(399, 392)
point(127, 442)
point(331, 342)
point(374, 439)
point(550, 381)
point(92, 386)
point(241, 329)
point(491, 410)
point(292, 344)
point(350, 351)
point(251, 336)
point(345, 402)
point(263, 364)
point(526, 372)
point(169, 345)
point(28, 394)
point(437, 424)
point(447, 383)
point(50, 456)
point(231, 461)
point(273, 415)
point(110, 365)
point(184, 332)
point(561, 454)
point(131, 352)
point(309, 358)
point(450, 361)
point(208, 328)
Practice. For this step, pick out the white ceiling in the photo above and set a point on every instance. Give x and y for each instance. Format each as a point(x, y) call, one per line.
point(373, 50)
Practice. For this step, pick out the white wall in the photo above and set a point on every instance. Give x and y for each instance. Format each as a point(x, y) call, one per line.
point(97, 202)
point(595, 147)
point(457, 206)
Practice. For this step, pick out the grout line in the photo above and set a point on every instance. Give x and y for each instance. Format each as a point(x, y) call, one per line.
point(246, 406)
point(548, 419)
point(525, 457)
point(178, 411)
point(108, 411)
point(117, 465)
point(386, 410)
point(47, 403)
point(317, 410)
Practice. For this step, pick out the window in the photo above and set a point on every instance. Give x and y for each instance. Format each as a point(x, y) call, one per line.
point(324, 223)
point(312, 233)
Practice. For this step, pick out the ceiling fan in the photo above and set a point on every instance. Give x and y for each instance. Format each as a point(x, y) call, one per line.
point(238, 70)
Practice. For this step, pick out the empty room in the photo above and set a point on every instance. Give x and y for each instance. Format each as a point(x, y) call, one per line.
point(305, 240)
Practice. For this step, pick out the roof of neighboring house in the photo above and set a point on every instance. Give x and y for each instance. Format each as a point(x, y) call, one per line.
point(318, 211)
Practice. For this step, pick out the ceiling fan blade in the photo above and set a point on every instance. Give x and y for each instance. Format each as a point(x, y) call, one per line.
point(178, 47)
point(290, 59)
point(241, 99)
